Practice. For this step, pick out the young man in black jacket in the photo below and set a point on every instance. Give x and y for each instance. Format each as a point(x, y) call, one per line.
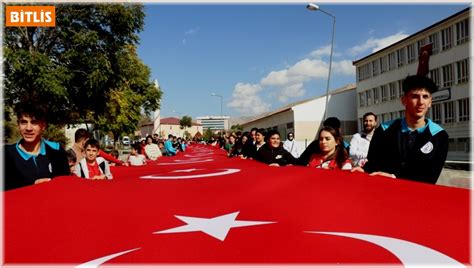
point(272, 152)
point(412, 147)
point(32, 159)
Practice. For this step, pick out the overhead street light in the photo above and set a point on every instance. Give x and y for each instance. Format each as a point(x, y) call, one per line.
point(314, 7)
point(217, 95)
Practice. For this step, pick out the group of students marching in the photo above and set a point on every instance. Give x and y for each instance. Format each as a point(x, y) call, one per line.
point(412, 147)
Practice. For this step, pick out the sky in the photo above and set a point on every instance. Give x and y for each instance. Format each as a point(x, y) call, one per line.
point(260, 57)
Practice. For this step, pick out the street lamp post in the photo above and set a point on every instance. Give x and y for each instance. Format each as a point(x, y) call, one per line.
point(217, 95)
point(315, 7)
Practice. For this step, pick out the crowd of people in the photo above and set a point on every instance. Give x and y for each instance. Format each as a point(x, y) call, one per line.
point(412, 147)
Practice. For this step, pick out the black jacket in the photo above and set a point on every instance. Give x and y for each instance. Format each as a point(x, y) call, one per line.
point(20, 172)
point(278, 155)
point(424, 162)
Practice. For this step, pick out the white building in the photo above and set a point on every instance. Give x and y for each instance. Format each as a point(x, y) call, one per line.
point(380, 76)
point(169, 125)
point(213, 122)
point(304, 118)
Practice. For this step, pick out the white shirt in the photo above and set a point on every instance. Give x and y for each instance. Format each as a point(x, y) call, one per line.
point(359, 149)
point(136, 160)
point(292, 148)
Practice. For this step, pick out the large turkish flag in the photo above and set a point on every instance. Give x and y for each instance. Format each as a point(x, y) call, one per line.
point(201, 207)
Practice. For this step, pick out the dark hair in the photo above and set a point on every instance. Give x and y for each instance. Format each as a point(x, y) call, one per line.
point(93, 143)
point(80, 134)
point(137, 146)
point(288, 135)
point(34, 110)
point(170, 136)
point(333, 122)
point(262, 131)
point(369, 114)
point(340, 154)
point(413, 82)
point(254, 129)
point(271, 133)
point(71, 155)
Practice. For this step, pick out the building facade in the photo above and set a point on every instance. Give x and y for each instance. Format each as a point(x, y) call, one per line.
point(214, 123)
point(169, 125)
point(304, 118)
point(380, 76)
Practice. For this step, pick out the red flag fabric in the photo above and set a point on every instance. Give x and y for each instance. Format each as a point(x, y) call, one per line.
point(424, 59)
point(201, 207)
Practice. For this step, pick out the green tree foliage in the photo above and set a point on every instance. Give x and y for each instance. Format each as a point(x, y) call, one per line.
point(237, 127)
point(208, 134)
point(85, 69)
point(185, 121)
point(187, 135)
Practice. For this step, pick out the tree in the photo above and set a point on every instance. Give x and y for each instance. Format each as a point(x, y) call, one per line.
point(237, 127)
point(208, 134)
point(187, 135)
point(86, 69)
point(186, 121)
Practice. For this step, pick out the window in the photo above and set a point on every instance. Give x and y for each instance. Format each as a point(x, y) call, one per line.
point(436, 113)
point(376, 95)
point(446, 39)
point(361, 99)
point(449, 112)
point(384, 92)
point(463, 106)
point(434, 40)
point(375, 68)
point(364, 72)
point(368, 97)
point(383, 64)
point(464, 145)
point(401, 114)
point(394, 115)
point(462, 69)
point(411, 53)
point(462, 32)
point(400, 88)
point(447, 75)
point(290, 125)
point(434, 75)
point(452, 144)
point(393, 90)
point(401, 57)
point(392, 61)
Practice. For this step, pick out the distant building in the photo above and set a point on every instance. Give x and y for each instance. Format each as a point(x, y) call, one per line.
point(380, 76)
point(214, 122)
point(304, 118)
point(168, 125)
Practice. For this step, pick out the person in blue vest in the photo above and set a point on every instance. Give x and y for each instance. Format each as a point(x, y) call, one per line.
point(413, 147)
point(170, 150)
point(33, 159)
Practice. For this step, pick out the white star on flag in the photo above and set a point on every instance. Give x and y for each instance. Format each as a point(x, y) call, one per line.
point(217, 227)
point(184, 170)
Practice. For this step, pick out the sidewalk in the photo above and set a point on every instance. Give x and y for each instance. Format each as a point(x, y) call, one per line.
point(455, 178)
